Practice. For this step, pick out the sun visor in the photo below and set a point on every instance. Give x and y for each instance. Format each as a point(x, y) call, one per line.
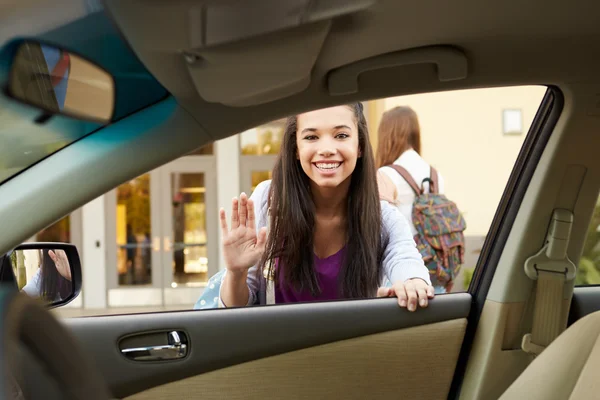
point(264, 50)
point(242, 42)
point(255, 69)
point(219, 22)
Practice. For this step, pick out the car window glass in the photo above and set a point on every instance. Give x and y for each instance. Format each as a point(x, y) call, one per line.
point(162, 231)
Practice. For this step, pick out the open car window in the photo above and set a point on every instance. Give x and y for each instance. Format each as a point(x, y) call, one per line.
point(161, 228)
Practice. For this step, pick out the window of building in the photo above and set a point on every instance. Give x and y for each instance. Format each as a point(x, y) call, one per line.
point(60, 231)
point(133, 224)
point(512, 122)
point(262, 140)
point(189, 251)
point(207, 150)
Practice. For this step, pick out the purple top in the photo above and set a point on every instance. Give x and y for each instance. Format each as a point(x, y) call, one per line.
point(327, 270)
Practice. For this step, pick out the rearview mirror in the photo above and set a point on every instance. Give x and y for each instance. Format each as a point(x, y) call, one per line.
point(50, 272)
point(60, 82)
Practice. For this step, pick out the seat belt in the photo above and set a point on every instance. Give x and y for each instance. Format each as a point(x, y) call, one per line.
point(551, 268)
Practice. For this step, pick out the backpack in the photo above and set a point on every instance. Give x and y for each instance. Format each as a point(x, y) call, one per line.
point(440, 230)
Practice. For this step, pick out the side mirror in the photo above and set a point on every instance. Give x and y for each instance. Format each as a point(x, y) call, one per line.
point(60, 82)
point(50, 272)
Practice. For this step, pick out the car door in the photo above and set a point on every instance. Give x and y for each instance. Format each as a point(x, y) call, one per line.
point(345, 349)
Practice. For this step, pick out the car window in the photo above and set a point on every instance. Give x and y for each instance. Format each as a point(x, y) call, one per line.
point(24, 143)
point(161, 229)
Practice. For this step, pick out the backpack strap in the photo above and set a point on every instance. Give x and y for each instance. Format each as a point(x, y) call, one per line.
point(434, 186)
point(407, 177)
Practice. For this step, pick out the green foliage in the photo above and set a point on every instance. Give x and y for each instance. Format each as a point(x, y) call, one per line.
point(468, 276)
point(18, 264)
point(588, 271)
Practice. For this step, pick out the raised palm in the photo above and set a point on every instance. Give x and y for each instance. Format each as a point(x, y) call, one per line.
point(242, 247)
point(62, 263)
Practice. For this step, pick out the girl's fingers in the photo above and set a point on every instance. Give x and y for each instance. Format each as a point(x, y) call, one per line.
point(411, 293)
point(251, 218)
point(383, 292)
point(223, 218)
point(401, 294)
point(430, 292)
point(235, 220)
point(262, 238)
point(422, 294)
point(243, 209)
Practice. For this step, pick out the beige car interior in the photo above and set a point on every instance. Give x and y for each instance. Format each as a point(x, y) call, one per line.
point(224, 85)
point(349, 369)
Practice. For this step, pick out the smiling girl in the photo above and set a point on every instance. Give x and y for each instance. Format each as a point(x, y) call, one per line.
point(329, 237)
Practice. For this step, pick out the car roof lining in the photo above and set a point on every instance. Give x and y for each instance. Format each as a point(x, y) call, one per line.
point(491, 36)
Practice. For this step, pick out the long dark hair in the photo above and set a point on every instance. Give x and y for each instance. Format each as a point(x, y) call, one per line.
point(53, 284)
point(292, 221)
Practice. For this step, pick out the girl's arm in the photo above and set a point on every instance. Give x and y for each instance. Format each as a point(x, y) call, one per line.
point(401, 259)
point(33, 287)
point(247, 285)
point(387, 188)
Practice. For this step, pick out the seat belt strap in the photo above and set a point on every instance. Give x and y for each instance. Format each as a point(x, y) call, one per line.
point(551, 268)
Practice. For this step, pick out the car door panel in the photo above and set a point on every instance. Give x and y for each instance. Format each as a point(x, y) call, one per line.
point(228, 349)
point(381, 365)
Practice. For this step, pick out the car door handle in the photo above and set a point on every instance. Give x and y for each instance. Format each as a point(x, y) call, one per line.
point(174, 350)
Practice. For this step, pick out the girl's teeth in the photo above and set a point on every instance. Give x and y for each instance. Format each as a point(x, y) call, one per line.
point(328, 166)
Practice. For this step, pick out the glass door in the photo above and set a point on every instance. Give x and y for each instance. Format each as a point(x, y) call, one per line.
point(258, 152)
point(189, 219)
point(134, 234)
point(254, 170)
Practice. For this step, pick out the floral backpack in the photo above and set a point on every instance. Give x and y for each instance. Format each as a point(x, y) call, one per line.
point(440, 229)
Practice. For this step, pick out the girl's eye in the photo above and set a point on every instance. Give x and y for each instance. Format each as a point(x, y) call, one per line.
point(310, 137)
point(342, 136)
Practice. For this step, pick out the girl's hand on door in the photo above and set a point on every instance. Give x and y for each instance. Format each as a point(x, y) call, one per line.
point(410, 293)
point(242, 247)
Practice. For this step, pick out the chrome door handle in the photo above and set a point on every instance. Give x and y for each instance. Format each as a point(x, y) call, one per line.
point(172, 351)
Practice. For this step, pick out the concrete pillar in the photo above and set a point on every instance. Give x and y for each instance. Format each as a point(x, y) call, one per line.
point(93, 261)
point(373, 111)
point(227, 152)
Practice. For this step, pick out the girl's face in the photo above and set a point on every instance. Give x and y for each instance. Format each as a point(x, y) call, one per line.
point(327, 143)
